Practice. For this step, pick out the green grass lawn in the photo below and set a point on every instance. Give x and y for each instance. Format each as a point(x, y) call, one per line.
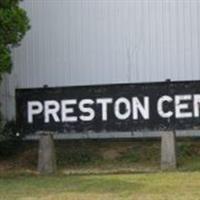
point(103, 170)
point(143, 186)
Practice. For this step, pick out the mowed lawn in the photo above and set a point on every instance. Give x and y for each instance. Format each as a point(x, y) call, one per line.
point(147, 186)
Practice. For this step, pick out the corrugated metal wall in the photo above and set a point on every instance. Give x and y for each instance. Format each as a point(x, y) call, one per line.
point(78, 42)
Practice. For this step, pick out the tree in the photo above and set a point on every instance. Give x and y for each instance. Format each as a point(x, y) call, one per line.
point(14, 23)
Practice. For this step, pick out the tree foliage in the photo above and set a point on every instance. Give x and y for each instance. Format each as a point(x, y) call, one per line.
point(14, 23)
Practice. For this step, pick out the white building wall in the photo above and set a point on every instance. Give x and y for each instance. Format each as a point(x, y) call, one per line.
point(81, 42)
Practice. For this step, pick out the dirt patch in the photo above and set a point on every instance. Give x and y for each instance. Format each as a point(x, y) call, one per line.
point(110, 152)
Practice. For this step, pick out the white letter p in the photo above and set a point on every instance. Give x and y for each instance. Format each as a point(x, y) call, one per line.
point(34, 108)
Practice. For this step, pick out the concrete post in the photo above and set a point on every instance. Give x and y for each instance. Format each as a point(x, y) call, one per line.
point(46, 154)
point(168, 150)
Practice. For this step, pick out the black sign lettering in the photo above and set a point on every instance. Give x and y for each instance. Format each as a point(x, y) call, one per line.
point(120, 107)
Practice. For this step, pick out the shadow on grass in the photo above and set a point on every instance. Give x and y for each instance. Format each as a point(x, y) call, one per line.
point(37, 186)
point(105, 184)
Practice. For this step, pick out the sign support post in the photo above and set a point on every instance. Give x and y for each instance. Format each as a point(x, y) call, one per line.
point(46, 154)
point(168, 145)
point(168, 150)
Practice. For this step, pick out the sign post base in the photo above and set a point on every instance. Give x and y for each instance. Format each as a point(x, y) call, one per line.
point(46, 154)
point(168, 151)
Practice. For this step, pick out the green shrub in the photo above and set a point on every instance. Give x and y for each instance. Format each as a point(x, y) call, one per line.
point(76, 154)
point(184, 150)
point(130, 157)
point(10, 141)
